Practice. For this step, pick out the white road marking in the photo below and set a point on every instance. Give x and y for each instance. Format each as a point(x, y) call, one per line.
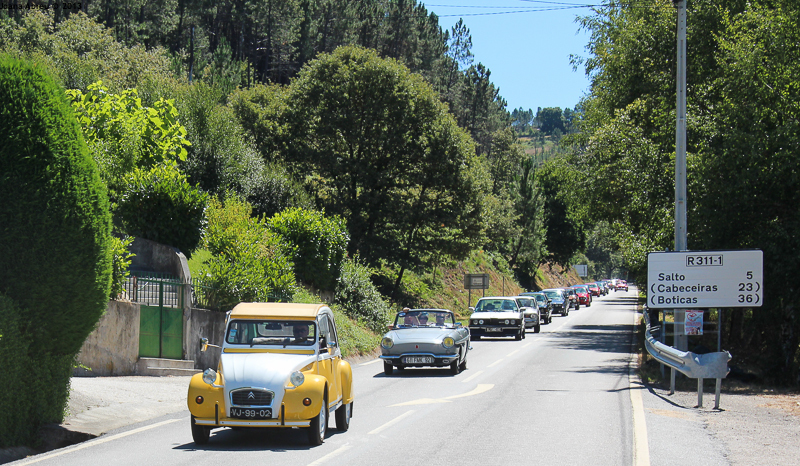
point(496, 362)
point(371, 362)
point(472, 377)
point(515, 351)
point(99, 441)
point(481, 388)
point(429, 401)
point(330, 455)
point(391, 423)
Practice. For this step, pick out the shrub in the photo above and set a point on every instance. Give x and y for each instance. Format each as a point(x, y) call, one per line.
point(273, 190)
point(120, 261)
point(358, 298)
point(55, 257)
point(248, 262)
point(320, 244)
point(160, 205)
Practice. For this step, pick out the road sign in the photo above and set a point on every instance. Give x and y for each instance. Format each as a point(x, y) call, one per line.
point(476, 281)
point(701, 279)
point(582, 269)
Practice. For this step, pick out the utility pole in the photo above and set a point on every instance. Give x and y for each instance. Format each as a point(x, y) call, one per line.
point(681, 342)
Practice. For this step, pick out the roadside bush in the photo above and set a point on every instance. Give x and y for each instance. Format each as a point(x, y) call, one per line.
point(160, 205)
point(320, 244)
point(120, 261)
point(55, 225)
point(248, 262)
point(358, 298)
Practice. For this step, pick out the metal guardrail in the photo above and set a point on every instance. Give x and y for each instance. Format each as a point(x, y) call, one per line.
point(695, 366)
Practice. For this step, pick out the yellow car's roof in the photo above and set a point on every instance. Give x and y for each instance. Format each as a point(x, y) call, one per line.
point(273, 310)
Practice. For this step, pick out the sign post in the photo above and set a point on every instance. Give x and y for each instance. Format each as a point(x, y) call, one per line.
point(475, 281)
point(703, 279)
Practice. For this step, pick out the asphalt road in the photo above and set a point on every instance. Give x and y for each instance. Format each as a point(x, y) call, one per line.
point(562, 396)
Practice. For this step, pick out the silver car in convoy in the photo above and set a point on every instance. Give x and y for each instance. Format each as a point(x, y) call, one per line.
point(530, 311)
point(497, 316)
point(425, 338)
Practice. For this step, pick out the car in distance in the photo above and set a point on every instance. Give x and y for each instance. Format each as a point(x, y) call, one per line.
point(593, 289)
point(622, 285)
point(280, 367)
point(584, 295)
point(425, 338)
point(558, 299)
point(530, 311)
point(497, 316)
point(545, 306)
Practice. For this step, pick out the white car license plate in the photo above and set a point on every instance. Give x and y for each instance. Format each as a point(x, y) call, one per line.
point(494, 329)
point(251, 413)
point(417, 360)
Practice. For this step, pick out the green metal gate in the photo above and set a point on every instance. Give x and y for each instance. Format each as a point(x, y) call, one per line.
point(161, 317)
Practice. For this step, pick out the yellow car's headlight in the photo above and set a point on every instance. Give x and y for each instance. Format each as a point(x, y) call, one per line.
point(448, 342)
point(297, 378)
point(209, 376)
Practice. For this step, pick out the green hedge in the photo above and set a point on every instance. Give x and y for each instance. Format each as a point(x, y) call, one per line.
point(36, 383)
point(55, 225)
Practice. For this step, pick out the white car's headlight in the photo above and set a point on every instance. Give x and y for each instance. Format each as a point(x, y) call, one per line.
point(209, 376)
point(448, 342)
point(387, 342)
point(480, 322)
point(513, 322)
point(297, 378)
point(506, 322)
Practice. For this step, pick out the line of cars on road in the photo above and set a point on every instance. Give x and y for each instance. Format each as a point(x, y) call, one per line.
point(415, 340)
point(281, 364)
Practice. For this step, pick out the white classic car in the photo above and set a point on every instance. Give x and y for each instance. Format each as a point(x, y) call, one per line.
point(497, 316)
point(280, 367)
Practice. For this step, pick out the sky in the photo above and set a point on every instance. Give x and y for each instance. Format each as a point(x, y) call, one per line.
point(527, 51)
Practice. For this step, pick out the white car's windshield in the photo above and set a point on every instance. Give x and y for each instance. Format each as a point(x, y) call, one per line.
point(424, 318)
point(496, 305)
point(271, 332)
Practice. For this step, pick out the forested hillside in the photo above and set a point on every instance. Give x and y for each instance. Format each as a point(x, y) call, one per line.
point(419, 163)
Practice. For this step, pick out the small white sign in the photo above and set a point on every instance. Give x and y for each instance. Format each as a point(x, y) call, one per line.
point(582, 269)
point(679, 280)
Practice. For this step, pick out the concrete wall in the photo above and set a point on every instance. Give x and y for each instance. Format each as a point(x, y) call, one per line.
point(113, 347)
point(202, 323)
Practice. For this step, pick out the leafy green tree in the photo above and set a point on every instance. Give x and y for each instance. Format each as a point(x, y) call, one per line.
point(55, 259)
point(565, 234)
point(123, 135)
point(388, 158)
point(551, 120)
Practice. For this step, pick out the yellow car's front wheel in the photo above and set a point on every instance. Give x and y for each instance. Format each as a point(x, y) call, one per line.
point(200, 433)
point(319, 424)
